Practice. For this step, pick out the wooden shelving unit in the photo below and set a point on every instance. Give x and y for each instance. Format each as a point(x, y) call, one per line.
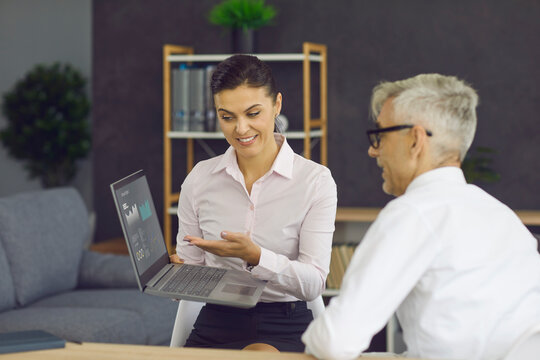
point(312, 128)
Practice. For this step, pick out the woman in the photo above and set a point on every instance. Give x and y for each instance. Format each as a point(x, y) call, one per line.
point(261, 208)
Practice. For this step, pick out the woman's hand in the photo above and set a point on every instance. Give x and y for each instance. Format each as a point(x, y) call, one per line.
point(233, 245)
point(175, 259)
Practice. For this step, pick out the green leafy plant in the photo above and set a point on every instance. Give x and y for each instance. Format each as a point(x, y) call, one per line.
point(477, 166)
point(242, 14)
point(47, 113)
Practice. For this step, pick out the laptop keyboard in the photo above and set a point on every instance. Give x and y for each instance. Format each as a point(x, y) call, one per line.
point(194, 280)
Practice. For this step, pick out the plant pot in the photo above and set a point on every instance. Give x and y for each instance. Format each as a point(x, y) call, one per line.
point(244, 41)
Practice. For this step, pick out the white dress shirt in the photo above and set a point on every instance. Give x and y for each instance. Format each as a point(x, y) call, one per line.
point(459, 266)
point(290, 214)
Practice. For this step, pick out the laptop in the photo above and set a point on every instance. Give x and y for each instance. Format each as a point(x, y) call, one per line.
point(155, 274)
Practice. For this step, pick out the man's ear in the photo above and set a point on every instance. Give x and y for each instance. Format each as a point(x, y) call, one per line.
point(418, 140)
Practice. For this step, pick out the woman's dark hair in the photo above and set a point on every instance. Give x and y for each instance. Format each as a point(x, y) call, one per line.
point(243, 70)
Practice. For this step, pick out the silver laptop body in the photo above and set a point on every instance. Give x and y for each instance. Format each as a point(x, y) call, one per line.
point(155, 274)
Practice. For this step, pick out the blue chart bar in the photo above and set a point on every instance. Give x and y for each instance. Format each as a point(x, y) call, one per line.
point(144, 211)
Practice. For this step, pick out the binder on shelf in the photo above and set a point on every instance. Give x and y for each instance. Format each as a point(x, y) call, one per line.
point(180, 96)
point(211, 123)
point(29, 340)
point(196, 99)
point(192, 101)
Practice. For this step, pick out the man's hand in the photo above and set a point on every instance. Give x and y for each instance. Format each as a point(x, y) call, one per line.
point(233, 245)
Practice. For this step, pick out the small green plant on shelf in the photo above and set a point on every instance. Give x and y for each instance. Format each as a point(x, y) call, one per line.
point(477, 166)
point(242, 14)
point(243, 17)
point(47, 113)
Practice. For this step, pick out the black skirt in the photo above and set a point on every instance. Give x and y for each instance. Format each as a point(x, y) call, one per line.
point(280, 324)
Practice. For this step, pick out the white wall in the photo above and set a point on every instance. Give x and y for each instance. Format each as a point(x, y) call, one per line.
point(42, 31)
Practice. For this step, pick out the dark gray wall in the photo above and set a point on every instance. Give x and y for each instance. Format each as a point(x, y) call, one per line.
point(42, 32)
point(491, 44)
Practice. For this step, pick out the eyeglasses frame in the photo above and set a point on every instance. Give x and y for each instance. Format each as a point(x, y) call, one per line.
point(376, 132)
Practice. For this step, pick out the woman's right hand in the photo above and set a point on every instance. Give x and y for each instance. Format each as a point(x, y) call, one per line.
point(175, 259)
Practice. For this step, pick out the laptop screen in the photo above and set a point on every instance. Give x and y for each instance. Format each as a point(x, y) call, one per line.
point(139, 221)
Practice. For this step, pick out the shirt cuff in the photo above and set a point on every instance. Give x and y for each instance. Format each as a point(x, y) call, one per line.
point(264, 270)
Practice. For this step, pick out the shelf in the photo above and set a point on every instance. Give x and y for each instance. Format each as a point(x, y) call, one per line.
point(219, 135)
point(357, 214)
point(330, 292)
point(365, 214)
point(529, 217)
point(263, 57)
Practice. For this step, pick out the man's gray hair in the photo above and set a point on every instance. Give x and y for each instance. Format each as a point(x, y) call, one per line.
point(442, 104)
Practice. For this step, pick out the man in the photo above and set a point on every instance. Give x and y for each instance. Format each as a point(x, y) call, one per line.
point(458, 266)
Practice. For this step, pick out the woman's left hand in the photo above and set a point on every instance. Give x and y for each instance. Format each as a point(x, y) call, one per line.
point(233, 245)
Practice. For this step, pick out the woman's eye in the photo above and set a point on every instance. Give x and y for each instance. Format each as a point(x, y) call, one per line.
point(253, 114)
point(226, 118)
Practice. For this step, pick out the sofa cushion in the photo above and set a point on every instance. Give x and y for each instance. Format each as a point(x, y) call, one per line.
point(78, 323)
point(7, 292)
point(43, 234)
point(156, 314)
point(106, 271)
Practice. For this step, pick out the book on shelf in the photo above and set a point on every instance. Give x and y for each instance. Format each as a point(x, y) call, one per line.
point(29, 340)
point(192, 101)
point(333, 276)
point(340, 259)
point(340, 266)
point(344, 255)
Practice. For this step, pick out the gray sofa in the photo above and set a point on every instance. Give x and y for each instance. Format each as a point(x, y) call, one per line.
point(49, 282)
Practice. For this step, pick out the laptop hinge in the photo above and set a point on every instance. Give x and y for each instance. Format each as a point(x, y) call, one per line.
point(161, 273)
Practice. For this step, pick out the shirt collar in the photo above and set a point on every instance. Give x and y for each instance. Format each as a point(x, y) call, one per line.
point(283, 164)
point(450, 174)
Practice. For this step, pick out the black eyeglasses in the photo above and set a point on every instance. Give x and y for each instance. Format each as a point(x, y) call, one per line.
point(374, 136)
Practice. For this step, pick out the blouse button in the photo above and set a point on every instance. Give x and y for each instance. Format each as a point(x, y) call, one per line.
point(252, 208)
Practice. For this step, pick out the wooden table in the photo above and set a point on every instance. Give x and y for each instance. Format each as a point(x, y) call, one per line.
point(92, 351)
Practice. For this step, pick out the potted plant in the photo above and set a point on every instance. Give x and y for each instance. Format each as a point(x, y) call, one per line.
point(243, 17)
point(47, 113)
point(477, 166)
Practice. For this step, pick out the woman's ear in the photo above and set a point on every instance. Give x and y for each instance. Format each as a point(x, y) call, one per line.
point(277, 104)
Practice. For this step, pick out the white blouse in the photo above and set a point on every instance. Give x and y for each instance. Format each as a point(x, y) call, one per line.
point(290, 214)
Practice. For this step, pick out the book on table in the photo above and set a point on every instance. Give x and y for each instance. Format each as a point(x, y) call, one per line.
point(29, 340)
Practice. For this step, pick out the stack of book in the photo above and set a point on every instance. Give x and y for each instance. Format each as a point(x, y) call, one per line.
point(340, 259)
point(192, 101)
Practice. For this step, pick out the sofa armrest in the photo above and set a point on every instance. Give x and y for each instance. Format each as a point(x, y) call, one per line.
point(105, 271)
